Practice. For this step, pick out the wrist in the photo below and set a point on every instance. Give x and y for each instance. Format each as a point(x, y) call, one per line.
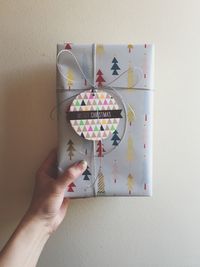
point(26, 243)
point(38, 224)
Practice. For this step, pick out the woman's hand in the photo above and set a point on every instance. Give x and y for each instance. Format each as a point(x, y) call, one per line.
point(48, 203)
point(46, 212)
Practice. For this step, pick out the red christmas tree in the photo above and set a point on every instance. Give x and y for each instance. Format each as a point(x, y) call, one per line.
point(70, 187)
point(100, 79)
point(68, 46)
point(100, 149)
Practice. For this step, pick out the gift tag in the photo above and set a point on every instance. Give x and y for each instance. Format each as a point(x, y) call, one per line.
point(94, 114)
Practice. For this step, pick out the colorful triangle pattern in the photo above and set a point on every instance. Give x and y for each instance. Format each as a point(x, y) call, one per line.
point(89, 100)
point(94, 129)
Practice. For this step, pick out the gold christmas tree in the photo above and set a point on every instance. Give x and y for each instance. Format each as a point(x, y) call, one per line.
point(70, 149)
point(130, 149)
point(130, 78)
point(99, 49)
point(70, 78)
point(130, 47)
point(130, 183)
point(130, 115)
point(101, 184)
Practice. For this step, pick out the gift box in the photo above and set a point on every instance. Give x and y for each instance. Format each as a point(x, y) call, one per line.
point(104, 108)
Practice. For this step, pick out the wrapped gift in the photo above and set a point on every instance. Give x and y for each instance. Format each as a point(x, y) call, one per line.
point(104, 100)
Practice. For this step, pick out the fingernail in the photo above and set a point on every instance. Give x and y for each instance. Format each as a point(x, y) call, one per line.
point(82, 164)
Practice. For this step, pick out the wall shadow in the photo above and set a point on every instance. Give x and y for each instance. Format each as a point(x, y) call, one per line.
point(28, 133)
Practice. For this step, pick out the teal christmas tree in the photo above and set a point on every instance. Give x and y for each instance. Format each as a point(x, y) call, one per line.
point(115, 138)
point(86, 174)
point(115, 66)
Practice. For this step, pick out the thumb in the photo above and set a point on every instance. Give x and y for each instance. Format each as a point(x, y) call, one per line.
point(70, 174)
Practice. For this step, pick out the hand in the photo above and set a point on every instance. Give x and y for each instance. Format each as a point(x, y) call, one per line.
point(48, 203)
point(46, 212)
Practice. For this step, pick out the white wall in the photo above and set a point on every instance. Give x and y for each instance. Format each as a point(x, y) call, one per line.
point(154, 232)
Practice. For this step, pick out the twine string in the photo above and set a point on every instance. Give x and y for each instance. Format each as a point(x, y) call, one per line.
point(94, 87)
point(82, 72)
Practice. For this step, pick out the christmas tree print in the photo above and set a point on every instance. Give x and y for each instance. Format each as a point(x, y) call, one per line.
point(130, 47)
point(130, 115)
point(100, 79)
point(99, 49)
point(115, 138)
point(68, 46)
point(130, 183)
point(101, 184)
point(70, 187)
point(130, 149)
point(70, 149)
point(115, 66)
point(86, 174)
point(70, 78)
point(130, 78)
point(100, 149)
point(114, 171)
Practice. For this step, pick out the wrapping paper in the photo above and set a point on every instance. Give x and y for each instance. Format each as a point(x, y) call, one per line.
point(118, 149)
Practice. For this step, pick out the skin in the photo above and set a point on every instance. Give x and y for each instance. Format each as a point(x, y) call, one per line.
point(46, 212)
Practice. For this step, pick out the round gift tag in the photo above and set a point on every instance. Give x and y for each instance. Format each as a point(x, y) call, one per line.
point(94, 114)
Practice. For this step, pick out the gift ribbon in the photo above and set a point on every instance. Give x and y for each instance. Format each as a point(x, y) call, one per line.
point(106, 86)
point(92, 84)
